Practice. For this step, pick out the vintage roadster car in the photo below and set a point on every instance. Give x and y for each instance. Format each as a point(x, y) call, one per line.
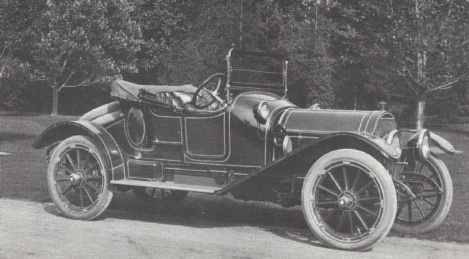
point(353, 172)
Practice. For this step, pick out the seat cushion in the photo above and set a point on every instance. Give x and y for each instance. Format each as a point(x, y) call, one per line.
point(183, 97)
point(129, 91)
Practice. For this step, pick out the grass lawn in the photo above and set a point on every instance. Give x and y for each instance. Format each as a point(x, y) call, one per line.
point(456, 225)
point(22, 173)
point(23, 176)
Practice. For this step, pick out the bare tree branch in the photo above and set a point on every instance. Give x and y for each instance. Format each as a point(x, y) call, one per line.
point(66, 81)
point(410, 60)
point(448, 85)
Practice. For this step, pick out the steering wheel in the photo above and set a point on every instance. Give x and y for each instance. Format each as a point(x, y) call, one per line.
point(209, 91)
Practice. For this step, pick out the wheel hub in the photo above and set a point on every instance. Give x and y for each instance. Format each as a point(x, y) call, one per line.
point(76, 178)
point(347, 200)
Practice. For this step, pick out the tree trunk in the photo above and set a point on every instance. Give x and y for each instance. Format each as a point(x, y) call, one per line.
point(55, 101)
point(421, 112)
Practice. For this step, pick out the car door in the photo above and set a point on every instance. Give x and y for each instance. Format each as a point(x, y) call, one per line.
point(206, 136)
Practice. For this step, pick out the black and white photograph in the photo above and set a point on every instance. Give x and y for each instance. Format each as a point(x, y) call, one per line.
point(234, 129)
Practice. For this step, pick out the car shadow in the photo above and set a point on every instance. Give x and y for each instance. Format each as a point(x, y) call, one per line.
point(208, 211)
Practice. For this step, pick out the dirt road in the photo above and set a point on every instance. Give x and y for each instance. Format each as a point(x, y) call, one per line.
point(37, 230)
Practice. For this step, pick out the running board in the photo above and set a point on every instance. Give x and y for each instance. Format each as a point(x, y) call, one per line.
point(167, 185)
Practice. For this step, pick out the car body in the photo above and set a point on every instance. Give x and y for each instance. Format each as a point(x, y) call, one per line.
point(239, 134)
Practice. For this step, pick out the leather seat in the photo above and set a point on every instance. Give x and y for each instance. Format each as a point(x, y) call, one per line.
point(183, 100)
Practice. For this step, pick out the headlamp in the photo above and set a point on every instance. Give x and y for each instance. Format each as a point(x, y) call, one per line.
point(423, 144)
point(261, 112)
point(287, 145)
point(394, 139)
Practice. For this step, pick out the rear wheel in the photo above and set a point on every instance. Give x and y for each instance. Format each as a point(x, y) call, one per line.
point(77, 178)
point(431, 183)
point(349, 200)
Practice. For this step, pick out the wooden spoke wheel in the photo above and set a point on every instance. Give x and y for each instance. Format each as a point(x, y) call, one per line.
point(349, 200)
point(431, 183)
point(77, 178)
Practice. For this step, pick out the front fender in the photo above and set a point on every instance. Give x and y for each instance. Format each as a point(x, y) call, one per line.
point(62, 130)
point(439, 144)
point(442, 145)
point(300, 160)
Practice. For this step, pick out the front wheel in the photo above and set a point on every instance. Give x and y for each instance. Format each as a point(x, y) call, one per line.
point(431, 183)
point(349, 200)
point(77, 178)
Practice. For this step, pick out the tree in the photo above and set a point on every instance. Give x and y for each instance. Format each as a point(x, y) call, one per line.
point(419, 46)
point(85, 42)
point(164, 25)
point(430, 61)
point(290, 27)
point(16, 20)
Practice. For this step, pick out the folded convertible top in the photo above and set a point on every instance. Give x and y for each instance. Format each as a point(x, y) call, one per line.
point(129, 91)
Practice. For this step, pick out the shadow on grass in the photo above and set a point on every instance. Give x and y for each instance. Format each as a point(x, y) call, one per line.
point(204, 211)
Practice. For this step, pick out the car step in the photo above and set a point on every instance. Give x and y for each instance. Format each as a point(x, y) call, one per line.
point(167, 185)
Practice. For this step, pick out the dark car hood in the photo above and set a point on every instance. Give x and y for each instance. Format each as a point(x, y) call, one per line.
point(321, 122)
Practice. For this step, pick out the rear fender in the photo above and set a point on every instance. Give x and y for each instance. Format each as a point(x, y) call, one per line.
point(60, 131)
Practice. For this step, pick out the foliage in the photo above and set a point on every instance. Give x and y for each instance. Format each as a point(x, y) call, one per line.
point(342, 54)
point(412, 49)
point(272, 26)
point(16, 24)
point(85, 42)
point(163, 24)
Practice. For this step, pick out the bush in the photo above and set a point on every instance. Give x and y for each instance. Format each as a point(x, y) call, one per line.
point(463, 110)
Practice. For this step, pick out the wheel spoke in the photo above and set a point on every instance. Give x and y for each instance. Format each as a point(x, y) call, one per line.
point(81, 198)
point(364, 188)
point(329, 191)
point(62, 180)
point(67, 190)
point(78, 159)
point(88, 194)
point(359, 216)
point(153, 191)
point(335, 181)
point(355, 182)
point(68, 170)
point(344, 171)
point(334, 210)
point(86, 160)
point(409, 205)
point(425, 200)
point(163, 195)
point(93, 187)
point(418, 208)
point(367, 210)
point(341, 222)
point(369, 199)
point(72, 163)
point(325, 202)
point(351, 222)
